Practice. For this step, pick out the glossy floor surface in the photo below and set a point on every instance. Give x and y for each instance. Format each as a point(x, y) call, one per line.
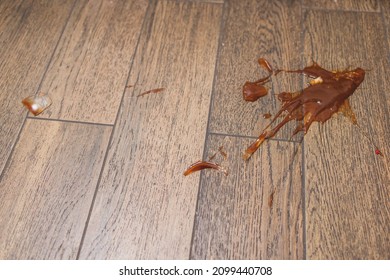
point(99, 174)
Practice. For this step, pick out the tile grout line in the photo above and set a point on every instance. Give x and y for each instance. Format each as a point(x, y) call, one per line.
point(386, 31)
point(69, 121)
point(217, 56)
point(254, 137)
point(39, 87)
point(303, 174)
point(304, 7)
point(7, 163)
point(112, 134)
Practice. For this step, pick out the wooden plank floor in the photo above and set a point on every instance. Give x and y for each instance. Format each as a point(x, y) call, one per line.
point(99, 175)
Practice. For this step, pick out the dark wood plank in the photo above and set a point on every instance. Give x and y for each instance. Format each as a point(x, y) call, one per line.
point(254, 29)
point(47, 189)
point(352, 5)
point(234, 219)
point(88, 74)
point(145, 207)
point(28, 35)
point(347, 185)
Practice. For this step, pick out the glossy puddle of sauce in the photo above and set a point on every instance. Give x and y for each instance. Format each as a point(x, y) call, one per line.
point(326, 95)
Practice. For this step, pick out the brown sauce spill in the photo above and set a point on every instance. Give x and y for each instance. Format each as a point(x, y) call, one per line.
point(267, 115)
point(252, 91)
point(327, 94)
point(200, 165)
point(271, 199)
point(156, 90)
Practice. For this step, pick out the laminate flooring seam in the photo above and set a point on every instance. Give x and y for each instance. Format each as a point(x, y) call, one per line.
point(205, 146)
point(112, 131)
point(39, 87)
point(70, 121)
point(218, 2)
point(253, 137)
point(303, 169)
point(386, 31)
point(337, 10)
point(13, 148)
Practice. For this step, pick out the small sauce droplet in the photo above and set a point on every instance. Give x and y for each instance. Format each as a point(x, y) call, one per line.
point(267, 115)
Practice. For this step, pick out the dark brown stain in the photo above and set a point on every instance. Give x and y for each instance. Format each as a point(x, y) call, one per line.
point(326, 95)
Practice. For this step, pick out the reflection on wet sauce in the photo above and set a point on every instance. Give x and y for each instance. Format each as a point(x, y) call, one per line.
point(200, 165)
point(326, 95)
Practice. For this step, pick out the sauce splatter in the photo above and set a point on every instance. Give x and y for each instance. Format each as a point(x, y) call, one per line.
point(252, 91)
point(200, 165)
point(267, 115)
point(222, 152)
point(37, 104)
point(156, 90)
point(271, 199)
point(326, 94)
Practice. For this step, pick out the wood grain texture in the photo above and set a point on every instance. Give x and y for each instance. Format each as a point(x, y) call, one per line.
point(47, 189)
point(199, 1)
point(145, 207)
point(385, 9)
point(234, 219)
point(11, 15)
point(352, 5)
point(88, 74)
point(253, 29)
point(28, 35)
point(347, 185)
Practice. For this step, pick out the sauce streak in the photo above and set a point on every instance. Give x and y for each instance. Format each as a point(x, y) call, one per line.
point(200, 165)
point(222, 152)
point(156, 90)
point(271, 199)
point(327, 94)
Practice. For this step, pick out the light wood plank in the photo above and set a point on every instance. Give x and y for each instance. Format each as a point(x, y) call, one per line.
point(88, 74)
point(347, 185)
point(47, 190)
point(199, 1)
point(385, 9)
point(11, 15)
point(253, 29)
point(234, 219)
point(26, 50)
point(353, 5)
point(145, 207)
